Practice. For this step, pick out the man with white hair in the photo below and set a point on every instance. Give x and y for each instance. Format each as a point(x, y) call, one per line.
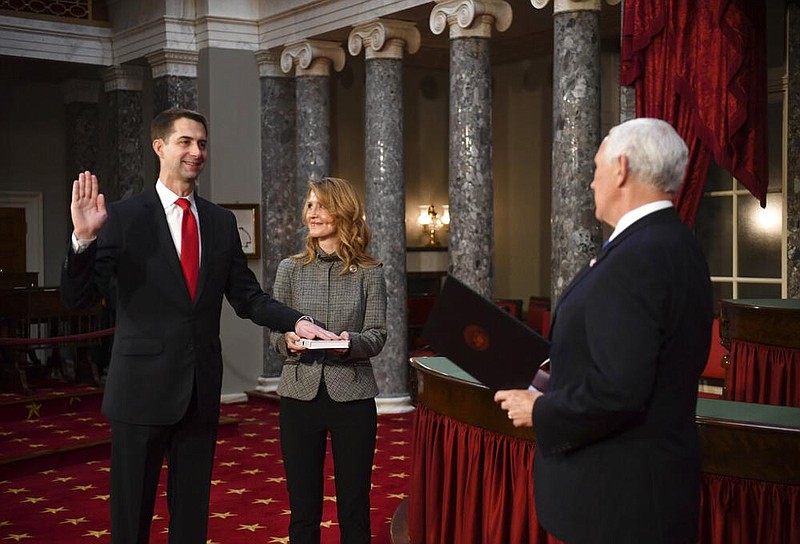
point(617, 455)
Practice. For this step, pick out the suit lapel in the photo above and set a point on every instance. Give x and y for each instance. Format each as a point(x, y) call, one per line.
point(169, 254)
point(207, 241)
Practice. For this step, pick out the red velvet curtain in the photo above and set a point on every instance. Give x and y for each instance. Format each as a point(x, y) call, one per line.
point(469, 485)
point(764, 374)
point(738, 511)
point(701, 66)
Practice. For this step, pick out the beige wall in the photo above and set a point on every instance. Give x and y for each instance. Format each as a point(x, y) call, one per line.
point(229, 95)
point(32, 158)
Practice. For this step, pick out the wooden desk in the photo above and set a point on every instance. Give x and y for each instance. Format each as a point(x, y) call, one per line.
point(35, 319)
point(751, 463)
point(763, 338)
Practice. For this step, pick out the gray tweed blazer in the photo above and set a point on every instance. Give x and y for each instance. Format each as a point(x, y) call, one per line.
point(354, 302)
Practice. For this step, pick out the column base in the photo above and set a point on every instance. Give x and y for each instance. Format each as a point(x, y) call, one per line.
point(394, 405)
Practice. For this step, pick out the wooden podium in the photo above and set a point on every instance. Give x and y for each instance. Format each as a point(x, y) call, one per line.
point(763, 338)
point(747, 449)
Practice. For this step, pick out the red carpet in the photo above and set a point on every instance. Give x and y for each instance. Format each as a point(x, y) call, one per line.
point(249, 503)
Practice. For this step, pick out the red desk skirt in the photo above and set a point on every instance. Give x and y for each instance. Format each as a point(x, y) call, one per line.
point(470, 485)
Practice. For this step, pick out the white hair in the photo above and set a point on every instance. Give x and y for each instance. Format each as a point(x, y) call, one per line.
point(656, 154)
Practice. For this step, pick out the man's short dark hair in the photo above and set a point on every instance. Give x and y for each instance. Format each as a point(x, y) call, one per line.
point(163, 123)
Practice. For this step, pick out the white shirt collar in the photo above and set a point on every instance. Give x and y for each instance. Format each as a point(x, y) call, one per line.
point(637, 213)
point(168, 198)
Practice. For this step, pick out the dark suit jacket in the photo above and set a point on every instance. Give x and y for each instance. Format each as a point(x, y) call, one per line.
point(164, 344)
point(617, 456)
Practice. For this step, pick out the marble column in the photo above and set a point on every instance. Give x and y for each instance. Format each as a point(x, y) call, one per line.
point(121, 130)
point(383, 42)
point(576, 234)
point(793, 150)
point(312, 61)
point(82, 119)
point(279, 217)
point(174, 79)
point(471, 235)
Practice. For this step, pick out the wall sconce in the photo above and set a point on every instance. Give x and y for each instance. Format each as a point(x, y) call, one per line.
point(430, 221)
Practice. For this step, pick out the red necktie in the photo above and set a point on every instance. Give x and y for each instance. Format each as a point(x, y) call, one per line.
point(190, 246)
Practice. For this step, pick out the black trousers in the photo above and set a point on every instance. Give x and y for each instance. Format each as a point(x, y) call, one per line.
point(137, 453)
point(304, 429)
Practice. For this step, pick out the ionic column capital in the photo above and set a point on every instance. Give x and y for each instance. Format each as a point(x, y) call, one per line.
point(470, 18)
point(384, 38)
point(122, 78)
point(560, 6)
point(312, 58)
point(269, 64)
point(173, 62)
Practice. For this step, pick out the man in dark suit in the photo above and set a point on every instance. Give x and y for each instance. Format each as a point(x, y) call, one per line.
point(617, 456)
point(162, 392)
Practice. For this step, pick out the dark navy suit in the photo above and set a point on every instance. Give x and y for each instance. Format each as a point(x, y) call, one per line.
point(617, 457)
point(162, 392)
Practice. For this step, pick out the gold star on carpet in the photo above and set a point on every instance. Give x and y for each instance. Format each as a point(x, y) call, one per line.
point(61, 431)
point(209, 541)
point(327, 524)
point(264, 501)
point(19, 439)
point(240, 491)
point(398, 475)
point(285, 512)
point(54, 510)
point(329, 498)
point(375, 467)
point(228, 464)
point(156, 517)
point(275, 480)
point(373, 485)
point(98, 534)
point(101, 497)
point(63, 479)
point(6, 433)
point(33, 500)
point(398, 457)
point(223, 515)
point(46, 472)
point(221, 441)
point(74, 400)
point(217, 482)
point(252, 528)
point(86, 487)
point(84, 419)
point(396, 496)
point(104, 469)
point(279, 540)
point(240, 448)
point(46, 426)
point(16, 490)
point(263, 454)
point(252, 471)
point(399, 443)
point(17, 537)
point(36, 445)
point(250, 435)
point(397, 430)
point(78, 437)
point(33, 409)
point(75, 521)
point(5, 523)
point(270, 440)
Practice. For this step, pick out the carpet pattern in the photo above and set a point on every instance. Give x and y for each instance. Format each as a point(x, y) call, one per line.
point(249, 501)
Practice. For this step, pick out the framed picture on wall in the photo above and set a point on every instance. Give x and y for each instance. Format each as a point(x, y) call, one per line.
point(248, 223)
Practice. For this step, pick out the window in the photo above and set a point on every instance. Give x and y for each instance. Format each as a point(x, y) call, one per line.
point(746, 245)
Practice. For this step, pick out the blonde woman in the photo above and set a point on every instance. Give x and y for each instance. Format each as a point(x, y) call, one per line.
point(331, 391)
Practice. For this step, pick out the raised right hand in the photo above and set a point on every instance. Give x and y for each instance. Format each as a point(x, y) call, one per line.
point(88, 206)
